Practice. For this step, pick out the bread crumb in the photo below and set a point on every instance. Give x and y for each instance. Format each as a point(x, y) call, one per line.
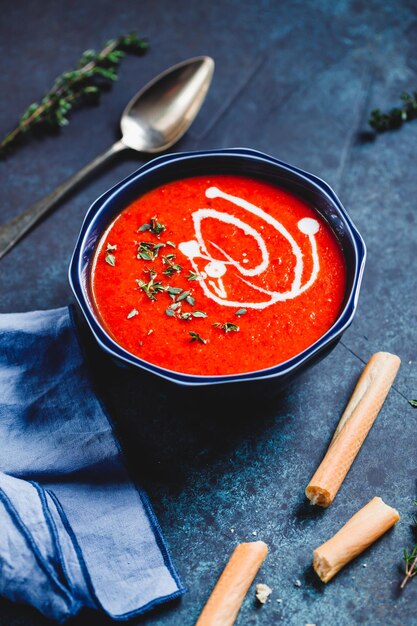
point(297, 582)
point(263, 592)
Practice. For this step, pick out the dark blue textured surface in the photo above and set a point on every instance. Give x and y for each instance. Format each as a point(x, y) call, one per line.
point(296, 80)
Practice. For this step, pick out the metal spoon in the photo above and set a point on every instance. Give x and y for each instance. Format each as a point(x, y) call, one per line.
point(156, 118)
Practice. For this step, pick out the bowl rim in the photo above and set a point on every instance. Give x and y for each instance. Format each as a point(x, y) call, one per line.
point(109, 345)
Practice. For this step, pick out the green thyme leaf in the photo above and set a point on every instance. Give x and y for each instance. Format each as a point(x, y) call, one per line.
point(172, 267)
point(413, 403)
point(170, 312)
point(148, 251)
point(199, 314)
point(156, 227)
point(228, 327)
point(132, 313)
point(152, 287)
point(183, 296)
point(241, 312)
point(193, 276)
point(110, 247)
point(169, 243)
point(153, 226)
point(196, 337)
point(190, 300)
point(110, 259)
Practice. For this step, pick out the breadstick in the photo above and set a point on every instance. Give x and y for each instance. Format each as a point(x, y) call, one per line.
point(367, 399)
point(365, 527)
point(227, 596)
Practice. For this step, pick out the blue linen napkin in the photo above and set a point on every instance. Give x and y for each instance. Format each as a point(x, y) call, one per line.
point(75, 531)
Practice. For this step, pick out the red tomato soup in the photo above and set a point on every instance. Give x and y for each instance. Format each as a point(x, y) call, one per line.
point(215, 275)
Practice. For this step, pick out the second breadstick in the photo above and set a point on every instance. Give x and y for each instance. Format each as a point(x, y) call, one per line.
point(360, 413)
point(227, 596)
point(365, 527)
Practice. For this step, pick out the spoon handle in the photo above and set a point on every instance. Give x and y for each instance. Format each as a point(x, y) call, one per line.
point(14, 230)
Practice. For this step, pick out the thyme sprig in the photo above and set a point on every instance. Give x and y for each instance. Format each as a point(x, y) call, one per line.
point(169, 260)
point(93, 74)
point(396, 117)
point(152, 287)
point(155, 227)
point(193, 276)
point(196, 337)
point(148, 251)
point(110, 257)
point(228, 327)
point(410, 559)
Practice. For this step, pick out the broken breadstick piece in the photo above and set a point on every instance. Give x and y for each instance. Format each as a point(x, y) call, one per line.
point(262, 592)
point(365, 527)
point(360, 413)
point(227, 596)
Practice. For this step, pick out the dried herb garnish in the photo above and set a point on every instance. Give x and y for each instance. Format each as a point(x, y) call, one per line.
point(174, 291)
point(187, 315)
point(174, 309)
point(183, 295)
point(153, 226)
point(172, 267)
point(410, 559)
point(228, 327)
point(110, 258)
point(152, 287)
point(396, 117)
point(132, 313)
point(241, 312)
point(196, 337)
point(93, 74)
point(413, 403)
point(148, 251)
point(193, 276)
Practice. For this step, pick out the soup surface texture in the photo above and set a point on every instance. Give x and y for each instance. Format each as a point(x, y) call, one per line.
point(216, 275)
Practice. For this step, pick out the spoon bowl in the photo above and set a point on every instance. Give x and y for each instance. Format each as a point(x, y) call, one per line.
point(160, 113)
point(156, 118)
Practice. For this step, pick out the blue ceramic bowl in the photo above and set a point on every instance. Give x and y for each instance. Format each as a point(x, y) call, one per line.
point(235, 161)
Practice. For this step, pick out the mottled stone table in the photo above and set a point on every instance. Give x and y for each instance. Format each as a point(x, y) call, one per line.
point(296, 80)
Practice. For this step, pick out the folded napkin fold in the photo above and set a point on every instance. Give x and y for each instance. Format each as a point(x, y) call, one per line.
point(75, 531)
